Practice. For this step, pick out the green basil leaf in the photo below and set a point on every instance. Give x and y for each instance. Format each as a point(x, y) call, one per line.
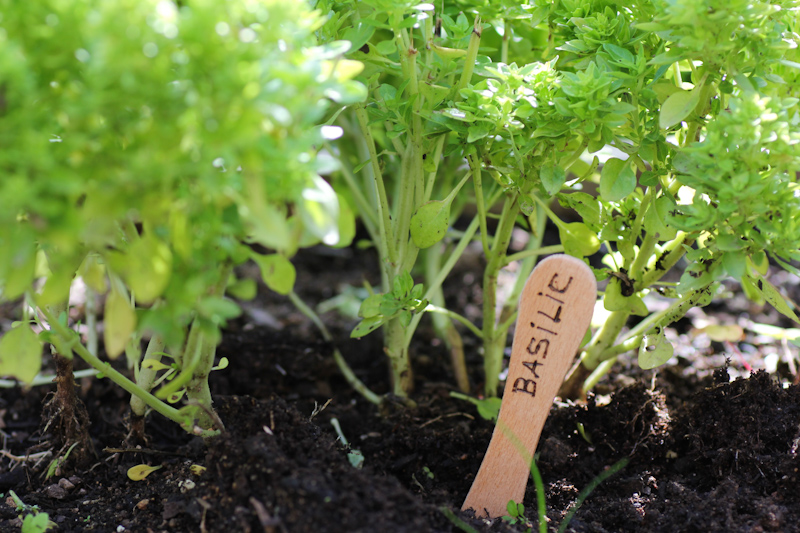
point(617, 180)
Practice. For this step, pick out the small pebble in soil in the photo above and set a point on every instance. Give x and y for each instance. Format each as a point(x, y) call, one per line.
point(56, 492)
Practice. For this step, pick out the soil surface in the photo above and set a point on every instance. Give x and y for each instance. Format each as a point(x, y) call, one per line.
point(711, 445)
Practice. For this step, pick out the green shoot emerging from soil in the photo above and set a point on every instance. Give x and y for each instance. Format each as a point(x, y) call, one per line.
point(33, 520)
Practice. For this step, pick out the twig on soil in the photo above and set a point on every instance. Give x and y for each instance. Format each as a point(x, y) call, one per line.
point(38, 457)
point(206, 506)
point(264, 518)
point(440, 417)
point(142, 450)
point(318, 409)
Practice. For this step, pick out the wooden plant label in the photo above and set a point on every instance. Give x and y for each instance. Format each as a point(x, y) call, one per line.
point(555, 309)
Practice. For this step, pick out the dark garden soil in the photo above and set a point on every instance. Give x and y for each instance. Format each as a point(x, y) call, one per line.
point(705, 453)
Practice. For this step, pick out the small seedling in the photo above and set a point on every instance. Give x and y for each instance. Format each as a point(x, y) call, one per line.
point(355, 457)
point(488, 408)
point(583, 434)
point(516, 513)
point(35, 521)
point(54, 468)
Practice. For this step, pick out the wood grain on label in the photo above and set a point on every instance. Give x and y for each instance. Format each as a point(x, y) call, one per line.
point(555, 310)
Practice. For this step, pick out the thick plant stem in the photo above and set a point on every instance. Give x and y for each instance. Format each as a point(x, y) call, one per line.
point(594, 360)
point(70, 340)
point(396, 348)
point(572, 387)
point(443, 325)
point(527, 262)
point(65, 412)
point(385, 244)
point(145, 377)
point(197, 389)
point(477, 180)
point(493, 338)
point(604, 339)
point(472, 55)
point(670, 255)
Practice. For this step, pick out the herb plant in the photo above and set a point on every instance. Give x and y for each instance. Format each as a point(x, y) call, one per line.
point(687, 133)
point(149, 147)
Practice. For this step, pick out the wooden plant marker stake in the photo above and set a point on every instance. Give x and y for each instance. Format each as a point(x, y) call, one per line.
point(555, 309)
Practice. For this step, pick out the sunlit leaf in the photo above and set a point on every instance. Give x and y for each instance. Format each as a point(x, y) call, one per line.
point(721, 333)
point(370, 307)
point(20, 353)
point(654, 351)
point(773, 296)
point(155, 365)
point(319, 210)
point(553, 177)
point(276, 271)
point(346, 223)
point(617, 180)
point(578, 239)
point(148, 267)
point(677, 107)
point(429, 223)
point(93, 273)
point(366, 326)
point(120, 323)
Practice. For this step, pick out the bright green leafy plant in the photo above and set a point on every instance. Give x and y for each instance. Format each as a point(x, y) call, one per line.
point(687, 135)
point(403, 154)
point(149, 147)
point(715, 148)
point(396, 173)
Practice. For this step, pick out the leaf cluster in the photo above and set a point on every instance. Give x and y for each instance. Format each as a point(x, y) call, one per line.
point(150, 142)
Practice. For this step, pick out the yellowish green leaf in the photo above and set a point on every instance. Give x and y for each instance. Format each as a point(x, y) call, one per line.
point(655, 350)
point(579, 240)
point(429, 223)
point(93, 273)
point(678, 106)
point(721, 333)
point(139, 472)
point(148, 268)
point(276, 271)
point(120, 323)
point(773, 297)
point(20, 353)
